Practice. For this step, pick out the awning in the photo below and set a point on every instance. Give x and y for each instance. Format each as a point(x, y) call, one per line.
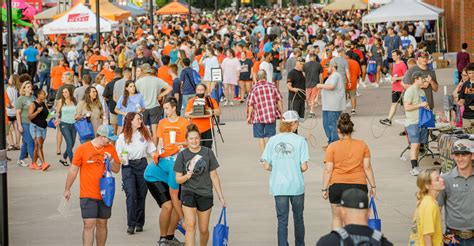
point(403, 10)
point(345, 5)
point(173, 8)
point(107, 10)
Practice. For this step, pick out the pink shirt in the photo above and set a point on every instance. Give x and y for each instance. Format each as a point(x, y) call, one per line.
point(399, 70)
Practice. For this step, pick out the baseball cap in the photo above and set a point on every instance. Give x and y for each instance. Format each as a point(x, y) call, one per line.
point(424, 54)
point(355, 198)
point(107, 131)
point(462, 146)
point(417, 74)
point(290, 116)
point(347, 44)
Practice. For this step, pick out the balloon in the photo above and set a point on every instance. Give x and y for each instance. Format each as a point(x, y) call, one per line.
point(16, 17)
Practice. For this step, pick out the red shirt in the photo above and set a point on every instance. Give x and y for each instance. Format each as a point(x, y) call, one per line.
point(399, 70)
point(264, 98)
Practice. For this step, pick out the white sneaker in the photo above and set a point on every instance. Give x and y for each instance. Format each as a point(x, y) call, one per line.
point(415, 171)
point(375, 85)
point(231, 103)
point(21, 163)
point(358, 94)
point(163, 242)
point(363, 84)
point(226, 102)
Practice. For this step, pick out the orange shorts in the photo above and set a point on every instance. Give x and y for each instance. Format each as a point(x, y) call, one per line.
point(311, 94)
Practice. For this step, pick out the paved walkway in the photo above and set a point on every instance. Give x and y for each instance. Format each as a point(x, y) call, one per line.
point(34, 196)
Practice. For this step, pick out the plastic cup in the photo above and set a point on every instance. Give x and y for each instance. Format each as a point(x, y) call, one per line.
point(125, 157)
point(172, 137)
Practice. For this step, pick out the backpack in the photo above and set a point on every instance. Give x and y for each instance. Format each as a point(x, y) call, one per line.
point(358, 240)
point(196, 77)
point(22, 68)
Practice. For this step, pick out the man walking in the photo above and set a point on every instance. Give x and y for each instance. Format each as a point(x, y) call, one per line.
point(264, 107)
point(458, 197)
point(89, 160)
point(296, 88)
point(31, 55)
point(466, 98)
point(313, 73)
point(333, 101)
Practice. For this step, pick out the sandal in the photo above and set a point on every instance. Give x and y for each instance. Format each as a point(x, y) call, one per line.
point(16, 147)
point(10, 147)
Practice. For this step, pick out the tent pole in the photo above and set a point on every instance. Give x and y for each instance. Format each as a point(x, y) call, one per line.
point(151, 17)
point(97, 21)
point(437, 35)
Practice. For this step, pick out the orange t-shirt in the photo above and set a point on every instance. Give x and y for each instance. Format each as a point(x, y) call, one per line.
point(220, 58)
point(203, 124)
point(91, 163)
point(93, 61)
point(165, 126)
point(109, 75)
point(354, 69)
point(324, 64)
point(347, 156)
point(256, 66)
point(139, 33)
point(167, 50)
point(7, 103)
point(164, 75)
point(56, 76)
point(201, 67)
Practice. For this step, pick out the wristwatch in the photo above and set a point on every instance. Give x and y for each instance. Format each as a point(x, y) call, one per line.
point(324, 190)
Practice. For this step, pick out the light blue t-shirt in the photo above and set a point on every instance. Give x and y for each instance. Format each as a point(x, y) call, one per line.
point(132, 103)
point(286, 152)
point(162, 172)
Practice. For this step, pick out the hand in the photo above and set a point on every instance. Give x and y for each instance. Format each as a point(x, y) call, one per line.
point(429, 79)
point(423, 105)
point(108, 155)
point(20, 128)
point(56, 122)
point(249, 121)
point(349, 84)
point(188, 175)
point(223, 202)
point(67, 195)
point(372, 192)
point(39, 109)
point(325, 195)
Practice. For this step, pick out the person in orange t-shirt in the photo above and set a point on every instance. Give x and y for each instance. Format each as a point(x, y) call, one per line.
point(167, 50)
point(204, 124)
point(57, 74)
point(255, 68)
point(163, 71)
point(346, 165)
point(351, 86)
point(108, 72)
point(325, 64)
point(172, 123)
point(94, 59)
point(89, 160)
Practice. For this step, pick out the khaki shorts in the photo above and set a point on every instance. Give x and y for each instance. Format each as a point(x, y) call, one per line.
point(351, 93)
point(467, 122)
point(113, 119)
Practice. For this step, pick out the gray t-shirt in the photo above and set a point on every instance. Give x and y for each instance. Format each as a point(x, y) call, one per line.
point(334, 100)
point(200, 183)
point(429, 90)
point(312, 70)
point(80, 92)
point(119, 89)
point(291, 63)
point(342, 65)
point(150, 87)
point(45, 64)
point(24, 103)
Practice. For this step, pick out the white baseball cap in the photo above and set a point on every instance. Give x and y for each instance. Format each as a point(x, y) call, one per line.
point(290, 116)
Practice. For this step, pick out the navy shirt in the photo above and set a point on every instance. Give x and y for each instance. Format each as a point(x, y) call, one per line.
point(187, 77)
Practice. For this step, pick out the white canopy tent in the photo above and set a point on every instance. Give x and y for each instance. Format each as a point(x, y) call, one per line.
point(379, 1)
point(79, 19)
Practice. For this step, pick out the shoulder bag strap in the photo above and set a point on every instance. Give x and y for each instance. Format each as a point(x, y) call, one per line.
point(190, 80)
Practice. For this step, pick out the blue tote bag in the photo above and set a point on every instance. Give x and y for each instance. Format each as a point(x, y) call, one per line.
point(376, 222)
point(427, 119)
point(107, 185)
point(85, 129)
point(372, 67)
point(220, 237)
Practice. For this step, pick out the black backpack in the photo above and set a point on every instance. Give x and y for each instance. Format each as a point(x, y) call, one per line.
point(22, 68)
point(359, 240)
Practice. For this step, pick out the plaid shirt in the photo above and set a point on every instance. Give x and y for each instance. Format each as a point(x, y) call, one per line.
point(264, 98)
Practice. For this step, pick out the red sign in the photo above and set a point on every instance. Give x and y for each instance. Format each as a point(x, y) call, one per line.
point(78, 17)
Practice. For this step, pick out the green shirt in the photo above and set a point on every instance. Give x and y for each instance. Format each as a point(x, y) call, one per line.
point(413, 96)
point(23, 103)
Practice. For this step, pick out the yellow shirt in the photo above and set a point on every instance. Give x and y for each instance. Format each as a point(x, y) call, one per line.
point(427, 220)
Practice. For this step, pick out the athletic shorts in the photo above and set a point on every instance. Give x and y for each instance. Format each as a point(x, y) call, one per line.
point(351, 93)
point(417, 134)
point(37, 132)
point(160, 191)
point(94, 209)
point(396, 95)
point(152, 116)
point(263, 130)
point(193, 200)
point(336, 190)
point(11, 119)
point(311, 94)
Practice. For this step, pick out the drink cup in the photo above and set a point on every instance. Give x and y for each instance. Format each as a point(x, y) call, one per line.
point(172, 137)
point(125, 157)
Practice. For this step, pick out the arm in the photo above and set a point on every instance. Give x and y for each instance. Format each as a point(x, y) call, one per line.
point(410, 107)
point(165, 92)
point(327, 173)
point(176, 203)
point(181, 179)
point(249, 114)
point(428, 240)
point(216, 183)
point(267, 166)
point(434, 85)
point(115, 166)
point(32, 113)
point(329, 87)
point(71, 176)
point(369, 174)
point(304, 167)
point(18, 118)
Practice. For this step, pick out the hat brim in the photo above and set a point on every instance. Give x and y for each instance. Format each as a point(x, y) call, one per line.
point(461, 152)
point(113, 138)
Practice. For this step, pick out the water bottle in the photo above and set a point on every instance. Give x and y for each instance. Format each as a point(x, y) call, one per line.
point(139, 108)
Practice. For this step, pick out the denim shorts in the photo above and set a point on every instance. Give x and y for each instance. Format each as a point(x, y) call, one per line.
point(417, 134)
point(37, 132)
point(263, 130)
point(277, 76)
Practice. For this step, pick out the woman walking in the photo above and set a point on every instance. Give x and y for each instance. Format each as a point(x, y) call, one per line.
point(286, 157)
point(22, 106)
point(66, 118)
point(231, 73)
point(37, 114)
point(209, 61)
point(195, 169)
point(346, 165)
point(90, 108)
point(133, 146)
point(13, 135)
point(426, 226)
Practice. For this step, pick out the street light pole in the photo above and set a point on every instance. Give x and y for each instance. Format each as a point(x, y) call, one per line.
point(151, 17)
point(189, 16)
point(97, 22)
point(9, 37)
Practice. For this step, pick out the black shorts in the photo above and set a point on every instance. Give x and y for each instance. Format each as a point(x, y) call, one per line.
point(160, 191)
point(152, 116)
point(390, 60)
point(94, 209)
point(396, 95)
point(11, 118)
point(193, 200)
point(336, 190)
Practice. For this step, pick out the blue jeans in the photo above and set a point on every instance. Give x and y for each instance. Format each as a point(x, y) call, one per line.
point(282, 205)
point(28, 145)
point(330, 125)
point(69, 134)
point(44, 79)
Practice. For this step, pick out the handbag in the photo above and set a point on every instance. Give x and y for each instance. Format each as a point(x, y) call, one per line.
point(51, 123)
point(372, 67)
point(107, 185)
point(220, 235)
point(85, 129)
point(427, 119)
point(376, 222)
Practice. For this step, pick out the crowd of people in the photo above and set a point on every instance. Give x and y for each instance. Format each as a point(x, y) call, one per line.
point(142, 93)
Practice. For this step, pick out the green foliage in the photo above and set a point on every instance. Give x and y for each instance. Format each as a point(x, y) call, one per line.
point(160, 3)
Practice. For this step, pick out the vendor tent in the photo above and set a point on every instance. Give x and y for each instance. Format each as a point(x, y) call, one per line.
point(403, 10)
point(47, 14)
point(79, 19)
point(107, 10)
point(346, 5)
point(132, 8)
point(173, 8)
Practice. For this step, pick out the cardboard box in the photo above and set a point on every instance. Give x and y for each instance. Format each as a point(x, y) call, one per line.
point(437, 56)
point(442, 64)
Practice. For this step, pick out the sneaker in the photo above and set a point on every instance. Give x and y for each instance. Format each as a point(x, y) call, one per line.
point(45, 166)
point(353, 112)
point(175, 241)
point(363, 84)
point(386, 122)
point(358, 94)
point(237, 99)
point(231, 103)
point(21, 163)
point(34, 166)
point(139, 228)
point(163, 242)
point(415, 171)
point(226, 102)
point(65, 163)
point(375, 85)
point(131, 230)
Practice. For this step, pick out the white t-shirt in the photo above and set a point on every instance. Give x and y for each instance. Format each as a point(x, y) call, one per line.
point(268, 67)
point(209, 63)
point(138, 147)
